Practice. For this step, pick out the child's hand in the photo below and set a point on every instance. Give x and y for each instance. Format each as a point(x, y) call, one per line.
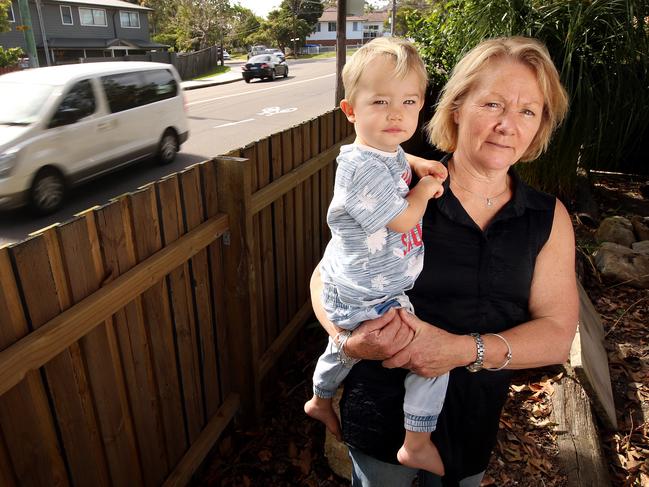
point(425, 167)
point(431, 186)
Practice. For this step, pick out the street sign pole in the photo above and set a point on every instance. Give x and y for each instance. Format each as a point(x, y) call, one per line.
point(28, 32)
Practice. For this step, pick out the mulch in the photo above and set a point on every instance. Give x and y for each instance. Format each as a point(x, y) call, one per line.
point(288, 450)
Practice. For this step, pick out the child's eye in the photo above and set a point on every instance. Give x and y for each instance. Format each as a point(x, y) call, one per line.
point(380, 102)
point(410, 102)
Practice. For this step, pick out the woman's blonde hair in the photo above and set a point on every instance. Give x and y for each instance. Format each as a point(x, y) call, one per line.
point(403, 53)
point(442, 129)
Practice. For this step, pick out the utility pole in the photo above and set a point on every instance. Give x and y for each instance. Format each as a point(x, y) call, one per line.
point(28, 32)
point(394, 18)
point(341, 49)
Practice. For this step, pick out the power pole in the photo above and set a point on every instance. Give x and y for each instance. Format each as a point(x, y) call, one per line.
point(28, 32)
point(393, 24)
point(341, 49)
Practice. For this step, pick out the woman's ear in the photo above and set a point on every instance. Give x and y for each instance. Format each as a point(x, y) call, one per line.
point(348, 110)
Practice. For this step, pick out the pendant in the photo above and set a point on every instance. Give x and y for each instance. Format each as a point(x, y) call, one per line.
point(490, 202)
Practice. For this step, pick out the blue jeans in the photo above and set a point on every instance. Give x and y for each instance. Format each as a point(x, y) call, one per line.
point(370, 472)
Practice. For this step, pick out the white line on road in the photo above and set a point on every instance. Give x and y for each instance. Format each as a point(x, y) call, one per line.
point(233, 123)
point(259, 90)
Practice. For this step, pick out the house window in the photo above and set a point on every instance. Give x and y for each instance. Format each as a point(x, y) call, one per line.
point(10, 13)
point(66, 15)
point(318, 28)
point(129, 19)
point(332, 27)
point(92, 16)
point(355, 26)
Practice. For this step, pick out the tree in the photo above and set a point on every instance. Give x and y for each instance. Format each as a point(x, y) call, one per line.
point(295, 19)
point(242, 25)
point(601, 49)
point(5, 5)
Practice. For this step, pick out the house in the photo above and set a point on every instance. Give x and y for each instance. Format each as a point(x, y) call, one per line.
point(359, 28)
point(66, 30)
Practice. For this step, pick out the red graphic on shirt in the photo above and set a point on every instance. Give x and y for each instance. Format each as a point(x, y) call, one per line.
point(411, 239)
point(407, 177)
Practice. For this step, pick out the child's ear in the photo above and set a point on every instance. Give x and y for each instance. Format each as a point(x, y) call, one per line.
point(348, 110)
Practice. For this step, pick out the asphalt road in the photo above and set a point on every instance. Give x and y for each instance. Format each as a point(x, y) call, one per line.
point(221, 118)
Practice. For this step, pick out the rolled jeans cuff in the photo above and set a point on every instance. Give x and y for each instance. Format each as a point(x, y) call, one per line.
point(420, 424)
point(323, 393)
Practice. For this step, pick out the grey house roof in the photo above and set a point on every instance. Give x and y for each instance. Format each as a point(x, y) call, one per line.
point(94, 43)
point(107, 3)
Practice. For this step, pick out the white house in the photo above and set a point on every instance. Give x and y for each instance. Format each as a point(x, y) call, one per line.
point(359, 28)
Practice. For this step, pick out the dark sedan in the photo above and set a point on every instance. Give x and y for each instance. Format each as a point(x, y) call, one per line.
point(264, 66)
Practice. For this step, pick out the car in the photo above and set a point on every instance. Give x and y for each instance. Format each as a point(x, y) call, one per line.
point(264, 66)
point(64, 125)
point(276, 52)
point(226, 55)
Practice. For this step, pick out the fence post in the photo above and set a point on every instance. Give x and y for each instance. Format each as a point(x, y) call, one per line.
point(234, 189)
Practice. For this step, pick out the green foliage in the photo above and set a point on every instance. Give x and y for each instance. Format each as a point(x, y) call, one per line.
point(295, 19)
point(11, 56)
point(5, 26)
point(601, 49)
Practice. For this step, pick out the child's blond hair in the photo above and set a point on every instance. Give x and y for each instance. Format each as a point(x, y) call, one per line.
point(402, 53)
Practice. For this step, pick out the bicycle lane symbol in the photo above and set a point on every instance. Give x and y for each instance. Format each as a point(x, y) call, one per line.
point(270, 111)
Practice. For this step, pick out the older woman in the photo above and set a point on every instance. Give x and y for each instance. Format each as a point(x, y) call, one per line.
point(498, 289)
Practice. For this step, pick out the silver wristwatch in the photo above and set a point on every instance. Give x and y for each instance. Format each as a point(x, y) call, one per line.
point(479, 345)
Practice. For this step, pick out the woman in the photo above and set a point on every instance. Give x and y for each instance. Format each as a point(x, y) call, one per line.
point(498, 289)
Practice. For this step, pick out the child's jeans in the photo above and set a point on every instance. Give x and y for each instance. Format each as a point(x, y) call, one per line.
point(424, 396)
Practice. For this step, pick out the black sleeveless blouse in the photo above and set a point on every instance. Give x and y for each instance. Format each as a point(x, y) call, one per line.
point(472, 281)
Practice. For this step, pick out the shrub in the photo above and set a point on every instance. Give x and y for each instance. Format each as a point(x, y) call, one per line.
point(11, 56)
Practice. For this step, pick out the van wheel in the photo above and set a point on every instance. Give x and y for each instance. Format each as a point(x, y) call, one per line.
point(168, 147)
point(47, 192)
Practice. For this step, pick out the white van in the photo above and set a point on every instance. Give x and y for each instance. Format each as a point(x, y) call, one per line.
point(63, 125)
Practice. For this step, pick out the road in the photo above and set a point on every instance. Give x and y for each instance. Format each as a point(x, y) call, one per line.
point(221, 118)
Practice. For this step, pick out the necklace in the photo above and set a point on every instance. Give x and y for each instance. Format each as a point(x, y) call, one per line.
point(489, 200)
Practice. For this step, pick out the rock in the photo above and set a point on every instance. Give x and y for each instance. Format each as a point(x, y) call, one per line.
point(621, 264)
point(616, 229)
point(640, 227)
point(642, 247)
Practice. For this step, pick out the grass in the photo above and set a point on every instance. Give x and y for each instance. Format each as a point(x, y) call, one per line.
point(214, 72)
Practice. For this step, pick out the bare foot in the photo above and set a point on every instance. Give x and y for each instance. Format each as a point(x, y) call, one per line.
point(420, 454)
point(322, 410)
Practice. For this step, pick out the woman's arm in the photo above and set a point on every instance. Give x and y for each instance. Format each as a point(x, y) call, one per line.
point(544, 340)
point(373, 340)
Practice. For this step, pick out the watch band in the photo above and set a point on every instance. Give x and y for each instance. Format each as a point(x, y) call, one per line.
point(479, 345)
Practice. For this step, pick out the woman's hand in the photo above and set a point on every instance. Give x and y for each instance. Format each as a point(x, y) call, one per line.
point(433, 351)
point(380, 338)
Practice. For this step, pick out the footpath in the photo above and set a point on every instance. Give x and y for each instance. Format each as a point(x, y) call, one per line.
point(230, 77)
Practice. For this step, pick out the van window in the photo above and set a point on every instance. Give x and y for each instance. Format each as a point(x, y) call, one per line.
point(158, 85)
point(77, 104)
point(122, 91)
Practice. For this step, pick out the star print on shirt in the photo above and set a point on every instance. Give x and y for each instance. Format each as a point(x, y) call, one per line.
point(376, 241)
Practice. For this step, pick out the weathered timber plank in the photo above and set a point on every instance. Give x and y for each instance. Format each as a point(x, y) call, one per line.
point(289, 223)
point(194, 215)
point(46, 295)
point(179, 281)
point(157, 314)
point(114, 228)
point(299, 235)
point(580, 453)
point(210, 192)
point(315, 195)
point(307, 241)
point(279, 233)
point(589, 359)
point(30, 447)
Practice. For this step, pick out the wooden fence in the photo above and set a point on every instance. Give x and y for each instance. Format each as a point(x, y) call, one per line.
point(133, 334)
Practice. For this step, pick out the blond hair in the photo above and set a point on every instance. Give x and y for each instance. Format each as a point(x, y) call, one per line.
point(442, 129)
point(402, 53)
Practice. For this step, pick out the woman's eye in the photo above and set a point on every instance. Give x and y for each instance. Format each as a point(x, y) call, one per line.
point(528, 113)
point(492, 105)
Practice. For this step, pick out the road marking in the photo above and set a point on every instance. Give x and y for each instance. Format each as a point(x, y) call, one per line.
point(233, 123)
point(270, 111)
point(259, 90)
